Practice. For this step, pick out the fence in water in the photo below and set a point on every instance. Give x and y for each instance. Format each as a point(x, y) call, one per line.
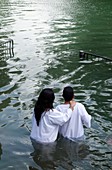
point(6, 47)
point(86, 56)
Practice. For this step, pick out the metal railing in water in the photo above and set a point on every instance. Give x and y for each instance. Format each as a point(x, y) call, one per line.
point(86, 56)
point(6, 47)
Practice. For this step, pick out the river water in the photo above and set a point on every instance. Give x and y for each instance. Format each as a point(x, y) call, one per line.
point(48, 36)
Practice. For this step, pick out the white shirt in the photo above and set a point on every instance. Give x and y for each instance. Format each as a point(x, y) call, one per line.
point(73, 128)
point(48, 128)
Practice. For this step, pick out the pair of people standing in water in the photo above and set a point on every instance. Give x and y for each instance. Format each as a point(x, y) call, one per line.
point(67, 119)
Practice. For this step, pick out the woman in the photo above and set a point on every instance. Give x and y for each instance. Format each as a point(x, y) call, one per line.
point(46, 120)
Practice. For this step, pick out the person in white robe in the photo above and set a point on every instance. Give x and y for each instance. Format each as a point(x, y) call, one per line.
point(73, 129)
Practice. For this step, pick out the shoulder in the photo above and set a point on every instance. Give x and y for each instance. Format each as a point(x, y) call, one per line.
point(62, 105)
point(53, 111)
point(58, 107)
point(80, 105)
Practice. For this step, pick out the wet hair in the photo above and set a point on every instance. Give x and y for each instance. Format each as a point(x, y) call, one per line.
point(44, 103)
point(68, 93)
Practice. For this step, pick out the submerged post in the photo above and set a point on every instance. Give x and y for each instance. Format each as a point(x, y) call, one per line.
point(81, 54)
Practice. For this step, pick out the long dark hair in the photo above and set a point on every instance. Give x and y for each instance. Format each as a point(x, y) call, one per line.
point(44, 103)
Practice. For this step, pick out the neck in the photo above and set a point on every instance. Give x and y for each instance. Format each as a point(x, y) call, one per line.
point(67, 102)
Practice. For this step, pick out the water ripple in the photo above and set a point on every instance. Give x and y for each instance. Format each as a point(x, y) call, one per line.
point(47, 38)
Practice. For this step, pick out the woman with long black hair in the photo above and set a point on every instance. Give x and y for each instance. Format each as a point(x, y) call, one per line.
point(46, 120)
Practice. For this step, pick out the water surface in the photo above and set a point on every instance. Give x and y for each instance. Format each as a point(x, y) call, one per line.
point(47, 38)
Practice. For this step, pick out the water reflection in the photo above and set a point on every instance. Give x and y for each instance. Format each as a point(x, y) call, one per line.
point(43, 154)
point(47, 36)
point(0, 150)
point(109, 140)
point(6, 20)
point(5, 79)
point(63, 153)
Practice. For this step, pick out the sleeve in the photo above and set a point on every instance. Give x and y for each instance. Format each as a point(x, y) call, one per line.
point(57, 108)
point(85, 117)
point(59, 118)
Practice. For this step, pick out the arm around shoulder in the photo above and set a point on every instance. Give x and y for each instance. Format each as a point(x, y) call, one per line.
point(60, 118)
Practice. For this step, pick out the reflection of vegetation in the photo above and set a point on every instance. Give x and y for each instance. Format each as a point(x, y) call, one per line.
point(3, 74)
point(5, 103)
point(4, 84)
point(5, 20)
point(0, 150)
point(3, 10)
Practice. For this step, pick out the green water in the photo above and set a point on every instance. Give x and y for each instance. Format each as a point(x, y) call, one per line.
point(47, 36)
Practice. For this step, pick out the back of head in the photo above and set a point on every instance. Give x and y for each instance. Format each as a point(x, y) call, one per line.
point(68, 93)
point(46, 97)
point(44, 103)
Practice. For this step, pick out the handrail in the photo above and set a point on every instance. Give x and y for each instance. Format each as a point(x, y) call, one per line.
point(85, 56)
point(6, 47)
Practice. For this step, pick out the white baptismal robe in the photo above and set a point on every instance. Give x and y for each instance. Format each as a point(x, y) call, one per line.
point(73, 128)
point(48, 128)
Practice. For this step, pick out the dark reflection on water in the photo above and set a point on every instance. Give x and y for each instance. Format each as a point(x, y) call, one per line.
point(61, 154)
point(0, 150)
point(43, 155)
point(47, 38)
